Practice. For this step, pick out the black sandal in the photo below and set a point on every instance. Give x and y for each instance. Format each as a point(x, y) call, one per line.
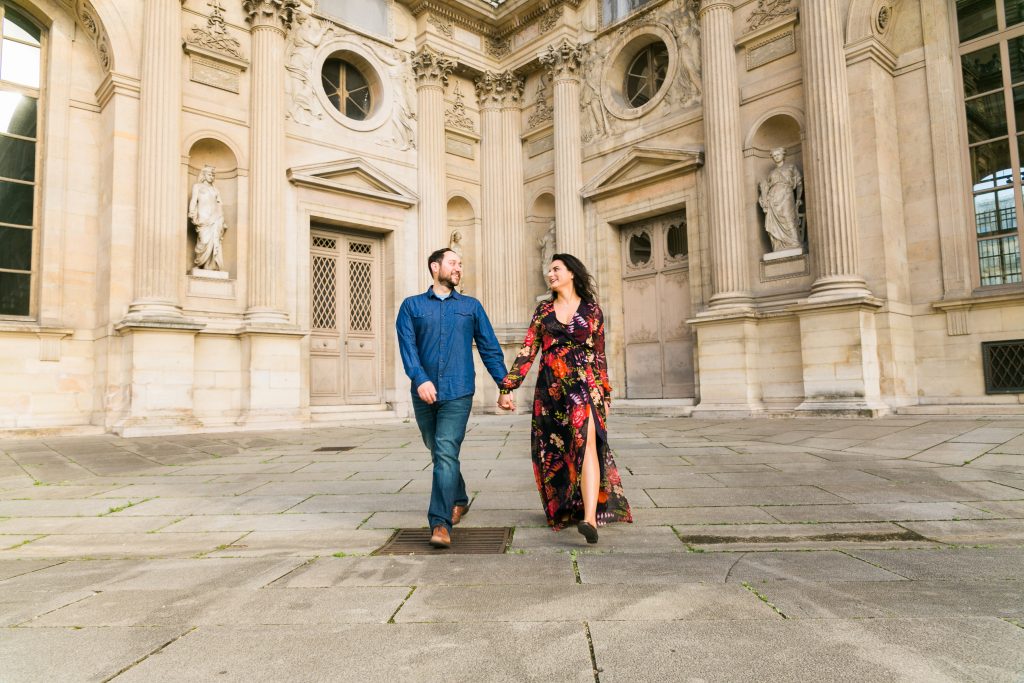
point(588, 530)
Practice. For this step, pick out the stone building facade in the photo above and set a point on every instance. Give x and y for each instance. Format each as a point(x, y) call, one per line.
point(211, 210)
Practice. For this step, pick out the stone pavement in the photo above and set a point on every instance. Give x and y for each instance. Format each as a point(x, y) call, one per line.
point(763, 550)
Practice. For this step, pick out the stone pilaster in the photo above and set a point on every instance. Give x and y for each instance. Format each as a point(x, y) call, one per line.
point(159, 233)
point(831, 192)
point(269, 19)
point(729, 260)
point(513, 300)
point(431, 69)
point(563, 64)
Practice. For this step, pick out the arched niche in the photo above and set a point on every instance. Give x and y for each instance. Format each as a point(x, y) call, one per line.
point(779, 129)
point(540, 222)
point(213, 152)
point(463, 237)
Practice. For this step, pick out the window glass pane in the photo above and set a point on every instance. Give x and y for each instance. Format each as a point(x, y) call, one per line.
point(999, 260)
point(975, 18)
point(994, 212)
point(17, 26)
point(986, 116)
point(982, 71)
point(640, 249)
point(1015, 51)
point(19, 63)
point(17, 158)
point(330, 79)
point(676, 240)
point(357, 94)
point(1014, 12)
point(16, 248)
point(990, 165)
point(15, 203)
point(17, 114)
point(371, 15)
point(14, 293)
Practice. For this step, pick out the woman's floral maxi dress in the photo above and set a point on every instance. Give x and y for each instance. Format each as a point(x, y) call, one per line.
point(572, 386)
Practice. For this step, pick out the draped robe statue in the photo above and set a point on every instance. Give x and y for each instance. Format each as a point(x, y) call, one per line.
point(781, 194)
point(207, 215)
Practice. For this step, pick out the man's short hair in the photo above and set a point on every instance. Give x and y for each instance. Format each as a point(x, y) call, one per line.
point(436, 257)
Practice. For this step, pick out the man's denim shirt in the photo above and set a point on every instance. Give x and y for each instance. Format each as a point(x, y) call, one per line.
point(435, 337)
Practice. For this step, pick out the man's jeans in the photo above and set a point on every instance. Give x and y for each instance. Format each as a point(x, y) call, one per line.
point(443, 427)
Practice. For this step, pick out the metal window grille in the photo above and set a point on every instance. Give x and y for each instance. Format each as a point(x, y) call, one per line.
point(324, 297)
point(1003, 362)
point(360, 296)
point(325, 243)
point(359, 248)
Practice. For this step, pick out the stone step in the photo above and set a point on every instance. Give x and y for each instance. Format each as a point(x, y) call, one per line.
point(649, 407)
point(323, 416)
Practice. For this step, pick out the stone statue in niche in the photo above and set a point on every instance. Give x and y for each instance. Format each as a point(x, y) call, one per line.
point(305, 37)
point(206, 212)
point(548, 248)
point(455, 242)
point(780, 197)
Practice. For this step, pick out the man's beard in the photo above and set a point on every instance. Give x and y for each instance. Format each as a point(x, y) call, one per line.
point(450, 280)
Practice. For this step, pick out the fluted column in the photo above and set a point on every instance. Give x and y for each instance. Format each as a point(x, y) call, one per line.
point(730, 278)
point(563, 65)
point(159, 231)
point(490, 92)
point(829, 162)
point(269, 19)
point(431, 69)
point(514, 295)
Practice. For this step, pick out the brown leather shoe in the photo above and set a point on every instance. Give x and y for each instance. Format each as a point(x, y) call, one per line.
point(440, 538)
point(458, 512)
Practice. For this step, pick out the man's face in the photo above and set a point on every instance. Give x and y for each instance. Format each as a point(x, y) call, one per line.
point(450, 272)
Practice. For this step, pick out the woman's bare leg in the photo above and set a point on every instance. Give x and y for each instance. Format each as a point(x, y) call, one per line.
point(591, 484)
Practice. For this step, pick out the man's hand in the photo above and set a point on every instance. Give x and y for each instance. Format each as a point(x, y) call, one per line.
point(427, 392)
point(506, 402)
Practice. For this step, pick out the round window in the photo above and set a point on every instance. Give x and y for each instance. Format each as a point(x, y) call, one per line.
point(347, 88)
point(640, 249)
point(646, 74)
point(676, 240)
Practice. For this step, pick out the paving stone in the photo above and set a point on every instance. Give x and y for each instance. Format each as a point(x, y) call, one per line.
point(826, 566)
point(289, 488)
point(871, 512)
point(432, 570)
point(177, 490)
point(328, 521)
point(63, 492)
point(702, 515)
point(121, 545)
point(1009, 531)
point(1011, 509)
point(12, 568)
point(368, 502)
point(950, 564)
point(61, 508)
point(780, 495)
point(953, 453)
point(654, 568)
point(774, 479)
point(477, 652)
point(463, 604)
point(66, 654)
point(614, 538)
point(83, 525)
point(924, 493)
point(222, 505)
point(303, 544)
point(848, 650)
point(990, 434)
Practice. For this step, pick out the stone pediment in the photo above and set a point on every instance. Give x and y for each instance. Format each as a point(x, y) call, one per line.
point(353, 177)
point(641, 166)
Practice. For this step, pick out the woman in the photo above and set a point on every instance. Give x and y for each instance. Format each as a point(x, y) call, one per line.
point(574, 466)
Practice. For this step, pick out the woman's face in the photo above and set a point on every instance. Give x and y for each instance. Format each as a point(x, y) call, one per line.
point(559, 275)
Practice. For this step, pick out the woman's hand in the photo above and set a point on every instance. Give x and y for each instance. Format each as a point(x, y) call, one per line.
point(506, 402)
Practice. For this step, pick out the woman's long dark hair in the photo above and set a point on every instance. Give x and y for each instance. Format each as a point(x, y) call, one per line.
point(582, 282)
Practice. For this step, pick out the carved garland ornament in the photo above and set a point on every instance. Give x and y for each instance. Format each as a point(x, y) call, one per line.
point(86, 14)
point(456, 117)
point(768, 11)
point(215, 36)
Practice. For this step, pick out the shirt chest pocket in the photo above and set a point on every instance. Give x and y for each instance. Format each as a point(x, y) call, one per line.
point(463, 319)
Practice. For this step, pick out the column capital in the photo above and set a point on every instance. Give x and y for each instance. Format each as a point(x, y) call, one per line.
point(498, 89)
point(563, 60)
point(431, 67)
point(274, 13)
point(708, 5)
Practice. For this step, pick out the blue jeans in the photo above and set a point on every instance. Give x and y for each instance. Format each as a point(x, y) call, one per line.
point(443, 427)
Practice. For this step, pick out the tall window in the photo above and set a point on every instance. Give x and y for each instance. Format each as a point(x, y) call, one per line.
point(613, 10)
point(992, 65)
point(19, 99)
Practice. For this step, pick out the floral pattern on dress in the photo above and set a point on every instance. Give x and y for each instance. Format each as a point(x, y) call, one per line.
point(572, 386)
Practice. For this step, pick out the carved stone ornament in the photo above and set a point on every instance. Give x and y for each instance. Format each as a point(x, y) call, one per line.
point(541, 112)
point(498, 48)
point(305, 36)
point(563, 60)
point(443, 27)
point(550, 19)
point(431, 67)
point(883, 18)
point(593, 115)
point(456, 117)
point(499, 88)
point(87, 18)
point(270, 11)
point(768, 11)
point(215, 37)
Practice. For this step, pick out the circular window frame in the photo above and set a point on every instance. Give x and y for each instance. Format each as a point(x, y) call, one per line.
point(381, 91)
point(649, 263)
point(621, 55)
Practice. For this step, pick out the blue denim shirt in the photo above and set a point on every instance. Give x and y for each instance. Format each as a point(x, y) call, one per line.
point(435, 337)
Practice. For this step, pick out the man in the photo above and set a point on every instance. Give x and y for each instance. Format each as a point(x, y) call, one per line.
point(436, 330)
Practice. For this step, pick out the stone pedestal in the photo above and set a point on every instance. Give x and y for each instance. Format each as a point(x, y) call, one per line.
point(271, 389)
point(160, 372)
point(839, 348)
point(727, 363)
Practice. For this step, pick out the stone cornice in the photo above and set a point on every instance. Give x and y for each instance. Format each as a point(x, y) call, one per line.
point(278, 13)
point(116, 84)
point(499, 88)
point(562, 60)
point(431, 67)
point(872, 49)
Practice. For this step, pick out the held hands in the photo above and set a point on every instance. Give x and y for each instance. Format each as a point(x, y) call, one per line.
point(506, 402)
point(427, 392)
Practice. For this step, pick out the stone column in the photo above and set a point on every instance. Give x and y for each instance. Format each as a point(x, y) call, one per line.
point(160, 228)
point(490, 92)
point(829, 167)
point(513, 300)
point(563, 65)
point(269, 20)
point(730, 277)
point(431, 69)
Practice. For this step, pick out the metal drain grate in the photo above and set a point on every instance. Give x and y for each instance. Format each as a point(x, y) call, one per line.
point(333, 449)
point(465, 541)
